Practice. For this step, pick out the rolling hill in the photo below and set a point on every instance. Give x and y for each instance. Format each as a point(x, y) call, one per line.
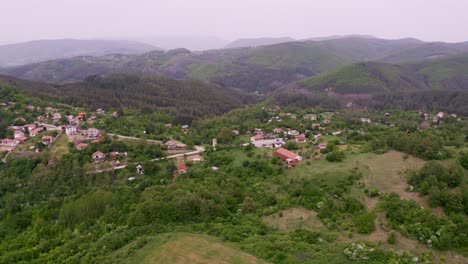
point(185, 100)
point(433, 84)
point(255, 42)
point(258, 69)
point(44, 50)
point(450, 73)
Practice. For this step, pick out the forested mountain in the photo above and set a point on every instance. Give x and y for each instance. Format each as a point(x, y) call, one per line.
point(260, 69)
point(254, 42)
point(432, 85)
point(44, 50)
point(449, 73)
point(185, 100)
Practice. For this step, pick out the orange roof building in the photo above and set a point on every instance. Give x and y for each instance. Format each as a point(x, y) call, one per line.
point(289, 157)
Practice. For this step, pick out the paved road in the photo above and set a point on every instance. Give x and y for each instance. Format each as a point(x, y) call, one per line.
point(198, 150)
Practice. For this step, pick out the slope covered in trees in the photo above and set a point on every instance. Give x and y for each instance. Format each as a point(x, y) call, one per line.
point(449, 73)
point(263, 68)
point(186, 100)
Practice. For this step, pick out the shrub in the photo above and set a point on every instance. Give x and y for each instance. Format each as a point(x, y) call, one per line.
point(335, 156)
point(365, 223)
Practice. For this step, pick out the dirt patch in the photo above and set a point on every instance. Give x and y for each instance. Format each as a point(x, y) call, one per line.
point(294, 218)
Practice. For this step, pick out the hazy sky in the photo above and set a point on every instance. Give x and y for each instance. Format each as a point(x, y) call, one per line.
point(444, 20)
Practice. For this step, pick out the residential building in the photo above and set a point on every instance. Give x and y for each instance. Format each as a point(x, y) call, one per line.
point(301, 139)
point(47, 140)
point(289, 157)
point(182, 169)
point(36, 131)
point(18, 133)
point(98, 156)
point(70, 130)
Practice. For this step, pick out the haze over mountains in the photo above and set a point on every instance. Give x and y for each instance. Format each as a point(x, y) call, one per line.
point(319, 71)
point(43, 50)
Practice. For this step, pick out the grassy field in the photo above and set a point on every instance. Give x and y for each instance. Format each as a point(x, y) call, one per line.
point(294, 218)
point(189, 248)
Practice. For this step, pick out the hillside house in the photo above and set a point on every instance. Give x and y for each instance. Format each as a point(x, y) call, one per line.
point(313, 117)
point(18, 133)
point(256, 138)
point(36, 131)
point(73, 121)
point(92, 132)
point(287, 156)
point(81, 146)
point(56, 116)
point(182, 169)
point(258, 131)
point(98, 156)
point(168, 125)
point(82, 116)
point(293, 133)
point(21, 140)
point(301, 139)
point(277, 130)
point(47, 140)
point(115, 114)
point(29, 127)
point(317, 136)
point(100, 111)
point(9, 143)
point(185, 129)
point(235, 132)
point(269, 143)
point(322, 146)
point(70, 130)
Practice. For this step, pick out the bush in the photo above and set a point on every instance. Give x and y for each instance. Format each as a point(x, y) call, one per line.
point(392, 238)
point(335, 156)
point(365, 223)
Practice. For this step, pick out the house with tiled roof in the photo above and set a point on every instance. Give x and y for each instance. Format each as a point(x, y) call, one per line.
point(288, 156)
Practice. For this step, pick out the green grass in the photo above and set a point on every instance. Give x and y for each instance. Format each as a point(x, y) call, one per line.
point(187, 248)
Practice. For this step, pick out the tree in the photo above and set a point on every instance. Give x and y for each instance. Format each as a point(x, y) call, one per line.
point(248, 206)
point(463, 159)
point(335, 156)
point(225, 135)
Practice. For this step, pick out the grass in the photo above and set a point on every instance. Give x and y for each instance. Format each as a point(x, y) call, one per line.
point(293, 219)
point(60, 147)
point(326, 171)
point(189, 248)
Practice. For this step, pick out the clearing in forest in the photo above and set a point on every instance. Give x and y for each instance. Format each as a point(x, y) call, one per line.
point(293, 219)
point(189, 248)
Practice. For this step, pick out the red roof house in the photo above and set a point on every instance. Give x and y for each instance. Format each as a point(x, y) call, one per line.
point(301, 139)
point(21, 140)
point(182, 169)
point(98, 155)
point(36, 131)
point(289, 157)
point(322, 146)
point(47, 140)
point(18, 133)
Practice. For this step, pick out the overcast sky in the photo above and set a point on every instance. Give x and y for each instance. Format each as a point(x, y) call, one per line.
point(431, 20)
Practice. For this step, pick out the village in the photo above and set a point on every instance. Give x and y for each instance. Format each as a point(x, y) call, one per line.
point(290, 134)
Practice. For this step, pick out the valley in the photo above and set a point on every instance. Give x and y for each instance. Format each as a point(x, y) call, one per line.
point(338, 150)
